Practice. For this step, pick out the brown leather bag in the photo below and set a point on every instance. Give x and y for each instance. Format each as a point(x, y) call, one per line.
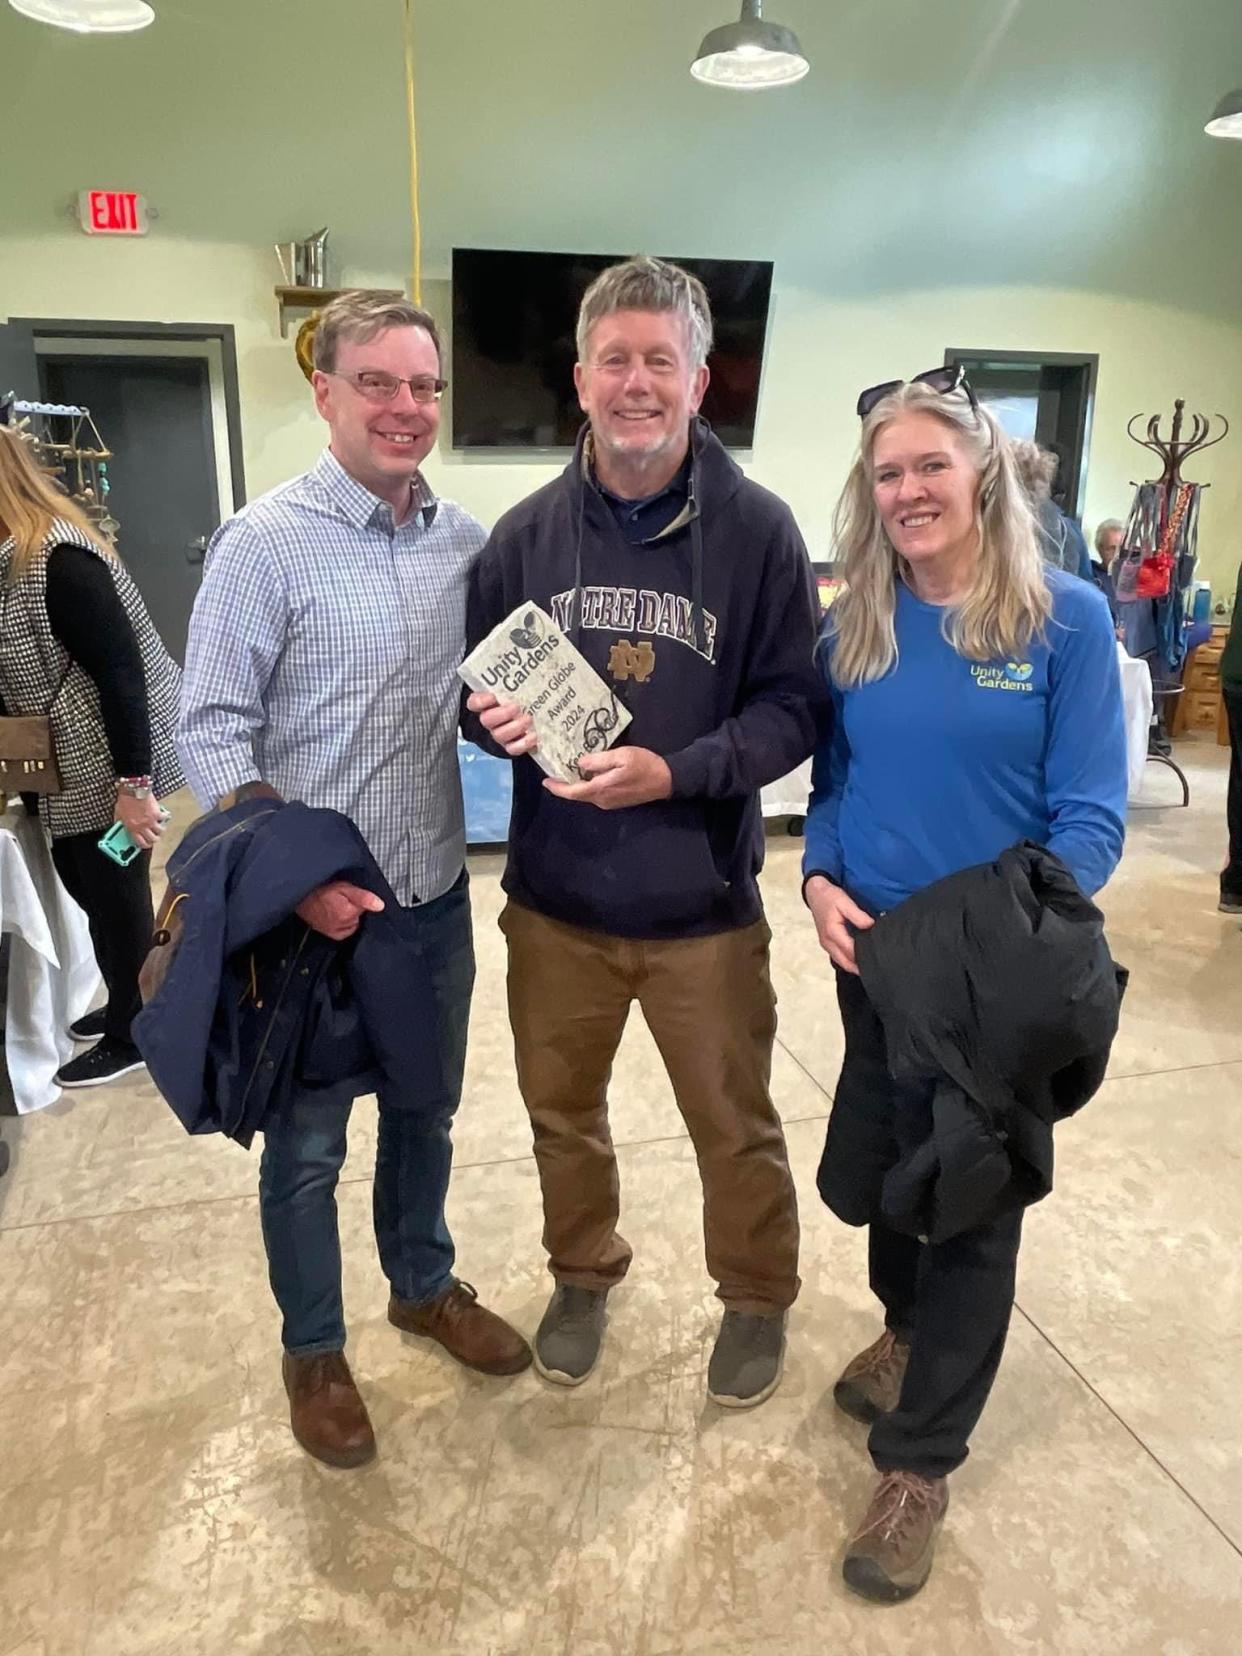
point(28, 755)
point(165, 941)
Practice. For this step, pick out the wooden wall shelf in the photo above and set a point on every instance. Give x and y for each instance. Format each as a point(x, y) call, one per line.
point(301, 299)
point(313, 299)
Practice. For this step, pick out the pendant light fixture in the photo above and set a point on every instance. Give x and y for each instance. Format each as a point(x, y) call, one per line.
point(88, 16)
point(1226, 119)
point(750, 55)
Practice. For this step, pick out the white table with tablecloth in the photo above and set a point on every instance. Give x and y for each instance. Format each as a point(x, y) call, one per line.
point(1136, 696)
point(53, 978)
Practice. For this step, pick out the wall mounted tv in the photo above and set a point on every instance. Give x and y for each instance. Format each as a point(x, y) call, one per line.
point(513, 345)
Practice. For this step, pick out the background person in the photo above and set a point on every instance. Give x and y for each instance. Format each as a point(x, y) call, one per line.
point(76, 643)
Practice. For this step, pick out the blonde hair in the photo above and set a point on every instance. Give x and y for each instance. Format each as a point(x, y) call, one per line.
point(31, 500)
point(1009, 603)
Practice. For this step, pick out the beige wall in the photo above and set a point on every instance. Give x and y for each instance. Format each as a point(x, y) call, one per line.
point(822, 350)
point(980, 173)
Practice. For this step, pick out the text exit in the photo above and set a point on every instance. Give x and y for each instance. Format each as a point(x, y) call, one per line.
point(113, 213)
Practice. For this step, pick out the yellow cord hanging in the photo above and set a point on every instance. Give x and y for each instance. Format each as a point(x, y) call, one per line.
point(416, 279)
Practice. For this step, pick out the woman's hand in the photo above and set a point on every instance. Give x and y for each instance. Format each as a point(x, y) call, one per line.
point(834, 913)
point(141, 817)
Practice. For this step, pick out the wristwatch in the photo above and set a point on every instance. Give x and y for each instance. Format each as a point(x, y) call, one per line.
point(137, 787)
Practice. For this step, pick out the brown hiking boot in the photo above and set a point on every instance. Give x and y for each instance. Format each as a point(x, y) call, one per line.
point(890, 1553)
point(475, 1336)
point(871, 1384)
point(328, 1417)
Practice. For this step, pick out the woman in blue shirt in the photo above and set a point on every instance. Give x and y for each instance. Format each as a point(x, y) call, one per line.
point(977, 702)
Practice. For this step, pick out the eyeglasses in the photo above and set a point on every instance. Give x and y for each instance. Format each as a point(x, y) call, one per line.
point(378, 387)
point(945, 380)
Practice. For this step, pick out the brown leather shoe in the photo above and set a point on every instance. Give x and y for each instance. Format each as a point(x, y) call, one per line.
point(870, 1385)
point(890, 1554)
point(475, 1336)
point(328, 1417)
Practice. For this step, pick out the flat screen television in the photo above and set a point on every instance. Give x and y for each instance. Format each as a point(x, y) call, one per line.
point(513, 345)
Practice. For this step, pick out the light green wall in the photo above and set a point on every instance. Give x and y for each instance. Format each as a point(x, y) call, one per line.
point(976, 172)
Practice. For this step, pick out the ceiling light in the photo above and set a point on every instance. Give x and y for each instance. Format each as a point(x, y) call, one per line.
point(88, 16)
point(750, 55)
point(1226, 119)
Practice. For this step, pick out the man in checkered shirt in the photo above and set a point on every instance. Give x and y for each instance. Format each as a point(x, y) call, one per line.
point(322, 664)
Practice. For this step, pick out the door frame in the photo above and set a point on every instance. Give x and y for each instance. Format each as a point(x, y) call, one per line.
point(1053, 359)
point(47, 327)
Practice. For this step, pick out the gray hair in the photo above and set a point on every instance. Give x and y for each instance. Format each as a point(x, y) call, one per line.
point(646, 284)
point(1106, 528)
point(358, 315)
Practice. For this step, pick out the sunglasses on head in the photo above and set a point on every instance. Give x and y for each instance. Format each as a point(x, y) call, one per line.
point(943, 380)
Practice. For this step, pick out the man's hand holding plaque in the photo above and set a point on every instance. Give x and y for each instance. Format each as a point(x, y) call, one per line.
point(536, 695)
point(504, 722)
point(623, 776)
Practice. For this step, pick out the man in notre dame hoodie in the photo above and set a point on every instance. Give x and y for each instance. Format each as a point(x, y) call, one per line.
point(688, 589)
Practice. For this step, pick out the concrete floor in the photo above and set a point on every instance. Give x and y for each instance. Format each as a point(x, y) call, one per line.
point(152, 1500)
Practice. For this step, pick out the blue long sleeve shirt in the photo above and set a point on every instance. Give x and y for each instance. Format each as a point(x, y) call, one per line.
point(944, 762)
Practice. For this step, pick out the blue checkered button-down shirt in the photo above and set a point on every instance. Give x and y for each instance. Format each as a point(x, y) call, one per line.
point(322, 659)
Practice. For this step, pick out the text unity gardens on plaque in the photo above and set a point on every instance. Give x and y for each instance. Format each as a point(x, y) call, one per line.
point(528, 660)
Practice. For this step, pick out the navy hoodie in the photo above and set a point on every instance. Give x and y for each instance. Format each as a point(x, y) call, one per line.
point(707, 634)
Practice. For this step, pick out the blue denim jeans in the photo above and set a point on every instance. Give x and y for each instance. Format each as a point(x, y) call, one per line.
point(304, 1147)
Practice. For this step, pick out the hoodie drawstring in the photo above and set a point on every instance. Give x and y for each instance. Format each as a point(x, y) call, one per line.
point(576, 619)
point(697, 620)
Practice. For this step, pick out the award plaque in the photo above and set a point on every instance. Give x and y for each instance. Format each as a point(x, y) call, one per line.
point(528, 660)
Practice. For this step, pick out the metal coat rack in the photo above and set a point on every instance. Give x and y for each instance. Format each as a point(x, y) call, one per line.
point(1173, 451)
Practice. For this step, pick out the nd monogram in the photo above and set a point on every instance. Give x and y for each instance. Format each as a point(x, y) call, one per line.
point(636, 661)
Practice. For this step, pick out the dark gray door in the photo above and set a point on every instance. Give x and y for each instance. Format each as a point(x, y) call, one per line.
point(154, 413)
point(1048, 399)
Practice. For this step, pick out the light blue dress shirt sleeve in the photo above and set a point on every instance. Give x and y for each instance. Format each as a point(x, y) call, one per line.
point(237, 633)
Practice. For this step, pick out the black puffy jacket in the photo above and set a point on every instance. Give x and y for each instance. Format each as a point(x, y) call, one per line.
point(997, 985)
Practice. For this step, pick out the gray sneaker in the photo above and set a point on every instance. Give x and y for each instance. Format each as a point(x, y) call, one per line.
point(747, 1362)
point(569, 1337)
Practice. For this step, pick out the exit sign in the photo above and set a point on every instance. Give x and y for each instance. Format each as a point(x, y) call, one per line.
point(113, 212)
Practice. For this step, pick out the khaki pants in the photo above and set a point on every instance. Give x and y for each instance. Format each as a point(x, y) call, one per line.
point(708, 1002)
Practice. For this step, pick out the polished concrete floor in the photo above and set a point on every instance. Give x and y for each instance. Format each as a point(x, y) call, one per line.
point(152, 1500)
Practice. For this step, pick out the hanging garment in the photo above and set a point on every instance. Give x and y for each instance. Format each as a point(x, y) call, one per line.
point(1154, 573)
point(53, 978)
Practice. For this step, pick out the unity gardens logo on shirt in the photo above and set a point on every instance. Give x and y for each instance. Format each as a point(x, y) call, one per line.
point(1014, 675)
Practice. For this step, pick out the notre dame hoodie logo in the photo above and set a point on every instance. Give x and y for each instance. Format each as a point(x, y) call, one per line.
point(637, 611)
point(631, 661)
